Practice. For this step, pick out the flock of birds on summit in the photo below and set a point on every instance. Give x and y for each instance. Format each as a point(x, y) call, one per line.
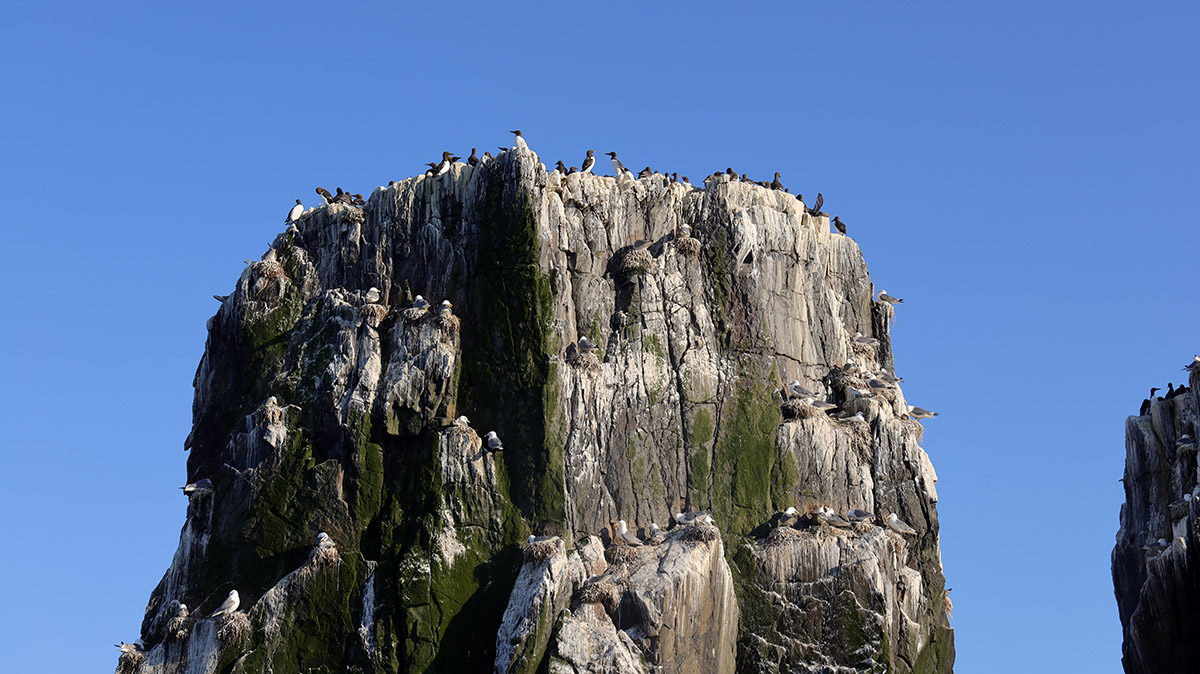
point(794, 394)
point(589, 163)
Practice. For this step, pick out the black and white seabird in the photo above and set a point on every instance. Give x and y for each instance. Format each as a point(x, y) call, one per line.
point(1193, 366)
point(229, 606)
point(586, 345)
point(775, 184)
point(487, 157)
point(444, 165)
point(342, 197)
point(325, 195)
point(626, 535)
point(786, 518)
point(472, 160)
point(573, 169)
point(839, 225)
point(618, 167)
point(519, 142)
point(420, 303)
point(588, 162)
point(885, 297)
point(561, 167)
point(685, 180)
point(645, 173)
point(294, 213)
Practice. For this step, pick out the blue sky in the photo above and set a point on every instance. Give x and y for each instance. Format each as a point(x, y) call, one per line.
point(1024, 174)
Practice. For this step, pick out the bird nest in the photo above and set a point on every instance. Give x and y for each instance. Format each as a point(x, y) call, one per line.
point(269, 269)
point(584, 361)
point(129, 662)
point(234, 627)
point(448, 323)
point(604, 592)
point(689, 246)
point(355, 214)
point(794, 408)
point(781, 536)
point(539, 551)
point(636, 262)
point(618, 555)
point(374, 313)
point(178, 627)
point(413, 314)
point(864, 351)
point(698, 533)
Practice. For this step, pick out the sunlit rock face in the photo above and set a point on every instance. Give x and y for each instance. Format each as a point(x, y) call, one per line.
point(321, 408)
point(1156, 571)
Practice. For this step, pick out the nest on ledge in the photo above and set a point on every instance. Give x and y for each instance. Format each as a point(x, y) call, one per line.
point(689, 246)
point(635, 262)
point(234, 627)
point(781, 536)
point(618, 555)
point(794, 408)
point(413, 314)
point(701, 532)
point(448, 322)
point(604, 592)
point(539, 551)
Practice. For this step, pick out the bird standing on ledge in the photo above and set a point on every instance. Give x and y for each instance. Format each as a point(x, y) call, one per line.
point(519, 143)
point(618, 167)
point(839, 225)
point(294, 213)
point(588, 162)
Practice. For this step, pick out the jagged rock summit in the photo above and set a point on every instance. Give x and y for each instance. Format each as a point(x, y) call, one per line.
point(1156, 572)
point(628, 341)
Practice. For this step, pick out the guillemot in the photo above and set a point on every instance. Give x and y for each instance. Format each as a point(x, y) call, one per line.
point(841, 226)
point(295, 212)
point(519, 142)
point(472, 160)
point(443, 165)
point(561, 168)
point(588, 162)
point(775, 184)
point(618, 167)
point(325, 195)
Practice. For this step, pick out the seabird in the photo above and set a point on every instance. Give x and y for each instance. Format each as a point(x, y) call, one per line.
point(202, 486)
point(826, 515)
point(586, 345)
point(799, 391)
point(885, 297)
point(823, 406)
point(325, 195)
point(627, 535)
point(1185, 439)
point(573, 169)
point(487, 157)
point(787, 518)
point(462, 422)
point(231, 604)
point(692, 518)
point(857, 416)
point(588, 162)
point(420, 303)
point(863, 339)
point(135, 647)
point(685, 230)
point(839, 225)
point(920, 413)
point(898, 525)
point(324, 541)
point(618, 167)
point(519, 142)
point(341, 197)
point(816, 207)
point(446, 308)
point(657, 535)
point(444, 165)
point(493, 442)
point(1145, 408)
point(1155, 547)
point(296, 211)
point(775, 184)
point(372, 295)
point(561, 167)
point(856, 515)
point(891, 378)
point(540, 539)
point(1193, 366)
point(685, 180)
point(473, 160)
point(877, 384)
point(645, 173)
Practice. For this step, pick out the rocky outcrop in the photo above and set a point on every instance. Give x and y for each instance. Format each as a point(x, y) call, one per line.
point(1156, 571)
point(319, 408)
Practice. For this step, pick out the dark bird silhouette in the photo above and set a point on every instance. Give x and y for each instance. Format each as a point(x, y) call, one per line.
point(1170, 390)
point(645, 173)
point(841, 226)
point(341, 197)
point(816, 207)
point(473, 160)
point(357, 200)
point(775, 184)
point(1145, 408)
point(1152, 392)
point(325, 195)
point(574, 169)
point(588, 162)
point(561, 168)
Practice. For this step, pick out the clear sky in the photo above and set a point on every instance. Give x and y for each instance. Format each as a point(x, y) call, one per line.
point(1024, 174)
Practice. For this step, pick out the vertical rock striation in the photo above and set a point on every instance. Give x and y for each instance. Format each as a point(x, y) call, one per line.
point(318, 409)
point(1156, 571)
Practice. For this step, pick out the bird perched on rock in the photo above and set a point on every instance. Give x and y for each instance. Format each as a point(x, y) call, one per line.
point(446, 309)
point(372, 295)
point(462, 422)
point(822, 406)
point(493, 442)
point(296, 211)
point(444, 165)
point(876, 384)
point(645, 173)
point(693, 518)
point(561, 167)
point(135, 647)
point(826, 515)
point(342, 197)
point(797, 390)
point(1145, 408)
point(586, 345)
point(540, 539)
point(626, 535)
point(588, 162)
point(920, 413)
point(229, 606)
point(685, 230)
point(324, 541)
point(857, 416)
point(657, 535)
point(357, 200)
point(420, 303)
point(487, 157)
point(863, 339)
point(787, 518)
point(890, 378)
point(202, 486)
point(816, 207)
point(775, 184)
point(473, 160)
point(618, 167)
point(885, 297)
point(898, 525)
point(857, 515)
point(839, 225)
point(519, 142)
point(1193, 366)
point(1155, 547)
point(325, 195)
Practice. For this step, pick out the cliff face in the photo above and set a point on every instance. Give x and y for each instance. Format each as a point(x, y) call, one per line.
point(1156, 571)
point(319, 410)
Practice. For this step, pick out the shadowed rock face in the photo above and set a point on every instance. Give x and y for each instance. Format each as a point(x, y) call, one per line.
point(318, 410)
point(1158, 590)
